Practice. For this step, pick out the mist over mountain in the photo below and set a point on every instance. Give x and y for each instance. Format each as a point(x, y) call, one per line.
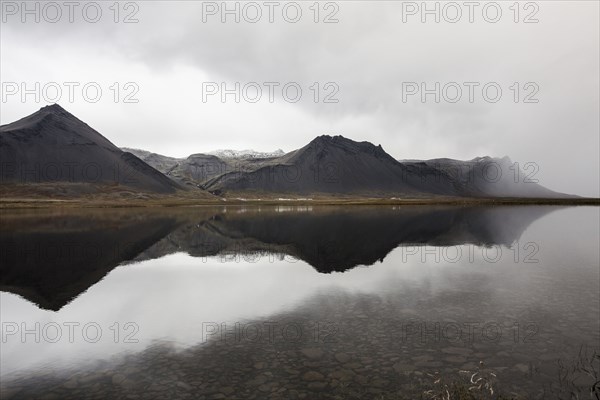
point(488, 177)
point(52, 145)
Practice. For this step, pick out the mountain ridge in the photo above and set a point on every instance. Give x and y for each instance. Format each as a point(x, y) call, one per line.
point(328, 165)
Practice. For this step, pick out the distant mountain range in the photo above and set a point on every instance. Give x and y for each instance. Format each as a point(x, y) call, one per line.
point(52, 145)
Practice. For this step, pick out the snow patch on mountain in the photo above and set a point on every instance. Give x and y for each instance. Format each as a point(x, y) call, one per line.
point(246, 154)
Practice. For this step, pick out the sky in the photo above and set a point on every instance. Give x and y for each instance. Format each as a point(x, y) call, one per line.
point(423, 79)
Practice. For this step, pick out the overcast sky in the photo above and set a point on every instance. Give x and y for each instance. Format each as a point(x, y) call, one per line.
point(373, 57)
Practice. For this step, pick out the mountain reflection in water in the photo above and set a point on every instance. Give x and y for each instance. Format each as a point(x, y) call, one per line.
point(50, 257)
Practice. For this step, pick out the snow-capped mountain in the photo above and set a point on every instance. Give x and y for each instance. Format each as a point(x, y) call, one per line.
point(246, 154)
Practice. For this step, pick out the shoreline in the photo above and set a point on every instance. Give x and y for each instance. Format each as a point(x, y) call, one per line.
point(27, 203)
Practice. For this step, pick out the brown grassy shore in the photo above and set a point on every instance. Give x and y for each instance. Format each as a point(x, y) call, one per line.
point(89, 196)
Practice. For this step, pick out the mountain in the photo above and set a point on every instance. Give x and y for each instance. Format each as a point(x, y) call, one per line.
point(193, 170)
point(340, 166)
point(245, 154)
point(53, 146)
point(197, 169)
point(337, 165)
point(333, 165)
point(164, 164)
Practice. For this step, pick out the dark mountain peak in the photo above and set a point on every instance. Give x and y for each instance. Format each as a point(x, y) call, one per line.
point(328, 139)
point(54, 108)
point(338, 141)
point(324, 143)
point(51, 115)
point(54, 111)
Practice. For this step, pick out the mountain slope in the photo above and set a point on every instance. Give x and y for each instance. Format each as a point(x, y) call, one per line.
point(488, 177)
point(52, 145)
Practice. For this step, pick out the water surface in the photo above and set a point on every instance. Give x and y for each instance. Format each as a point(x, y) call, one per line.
point(297, 302)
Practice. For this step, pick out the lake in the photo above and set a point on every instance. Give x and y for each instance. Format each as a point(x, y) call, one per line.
point(291, 302)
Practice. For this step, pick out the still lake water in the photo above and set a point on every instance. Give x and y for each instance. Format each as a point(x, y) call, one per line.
point(290, 302)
